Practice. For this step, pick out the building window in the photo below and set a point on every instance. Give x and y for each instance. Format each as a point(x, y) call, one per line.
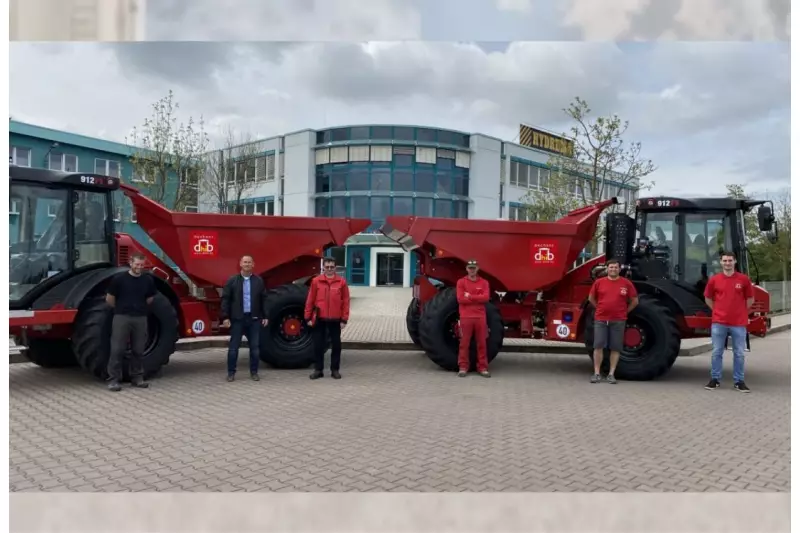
point(360, 133)
point(426, 135)
point(423, 207)
point(107, 167)
point(461, 209)
point(403, 180)
point(402, 206)
point(381, 179)
point(402, 133)
point(190, 209)
point(13, 206)
point(381, 133)
point(63, 162)
point(323, 137)
point(358, 179)
point(20, 156)
point(339, 135)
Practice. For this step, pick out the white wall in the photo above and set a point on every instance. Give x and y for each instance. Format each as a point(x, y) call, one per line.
point(373, 263)
point(299, 174)
point(484, 182)
point(86, 20)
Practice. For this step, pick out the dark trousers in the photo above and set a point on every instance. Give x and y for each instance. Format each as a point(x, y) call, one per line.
point(334, 329)
point(251, 328)
point(125, 329)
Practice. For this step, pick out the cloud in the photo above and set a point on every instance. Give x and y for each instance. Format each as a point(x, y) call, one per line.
point(516, 6)
point(281, 20)
point(706, 113)
point(712, 20)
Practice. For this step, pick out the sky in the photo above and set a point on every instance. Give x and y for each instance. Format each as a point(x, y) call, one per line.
point(707, 113)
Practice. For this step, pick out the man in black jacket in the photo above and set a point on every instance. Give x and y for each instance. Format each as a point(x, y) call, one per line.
point(244, 311)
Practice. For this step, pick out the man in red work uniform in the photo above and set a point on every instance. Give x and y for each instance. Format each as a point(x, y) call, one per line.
point(729, 294)
point(327, 311)
point(613, 298)
point(473, 293)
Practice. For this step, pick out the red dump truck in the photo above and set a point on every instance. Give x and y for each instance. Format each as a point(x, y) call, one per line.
point(64, 252)
point(668, 249)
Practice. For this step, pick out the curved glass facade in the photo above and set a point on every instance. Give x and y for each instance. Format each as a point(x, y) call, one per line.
point(377, 171)
point(393, 133)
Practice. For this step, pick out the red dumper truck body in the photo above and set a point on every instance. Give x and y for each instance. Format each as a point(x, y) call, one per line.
point(57, 308)
point(537, 292)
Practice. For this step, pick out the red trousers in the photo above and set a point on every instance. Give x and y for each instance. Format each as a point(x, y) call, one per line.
point(478, 328)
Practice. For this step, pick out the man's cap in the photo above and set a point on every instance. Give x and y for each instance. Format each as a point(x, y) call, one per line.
point(472, 263)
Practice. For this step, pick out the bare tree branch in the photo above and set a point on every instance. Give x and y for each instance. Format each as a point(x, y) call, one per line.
point(233, 171)
point(167, 155)
point(601, 161)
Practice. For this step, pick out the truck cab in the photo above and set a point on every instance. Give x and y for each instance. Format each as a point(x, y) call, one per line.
point(60, 224)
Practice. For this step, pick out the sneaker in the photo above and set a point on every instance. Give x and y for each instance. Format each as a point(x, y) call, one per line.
point(139, 384)
point(335, 374)
point(316, 374)
point(114, 386)
point(462, 373)
point(231, 377)
point(611, 379)
point(485, 374)
point(595, 378)
point(741, 387)
point(713, 384)
point(254, 377)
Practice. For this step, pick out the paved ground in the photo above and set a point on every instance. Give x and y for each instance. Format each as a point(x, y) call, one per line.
point(397, 423)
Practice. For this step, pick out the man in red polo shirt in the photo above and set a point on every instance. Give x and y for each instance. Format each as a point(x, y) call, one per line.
point(613, 298)
point(729, 294)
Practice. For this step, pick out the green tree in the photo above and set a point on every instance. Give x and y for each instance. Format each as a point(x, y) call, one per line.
point(603, 165)
point(167, 155)
point(772, 257)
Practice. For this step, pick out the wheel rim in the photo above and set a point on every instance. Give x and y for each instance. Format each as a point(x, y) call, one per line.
point(290, 332)
point(639, 339)
point(452, 332)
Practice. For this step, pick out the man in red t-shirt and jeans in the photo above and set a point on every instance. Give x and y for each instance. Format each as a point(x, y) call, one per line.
point(613, 297)
point(729, 294)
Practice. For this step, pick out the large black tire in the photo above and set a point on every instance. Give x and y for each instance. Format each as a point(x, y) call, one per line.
point(658, 349)
point(438, 336)
point(51, 353)
point(412, 321)
point(91, 336)
point(287, 341)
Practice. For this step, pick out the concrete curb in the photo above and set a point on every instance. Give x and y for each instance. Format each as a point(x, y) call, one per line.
point(187, 345)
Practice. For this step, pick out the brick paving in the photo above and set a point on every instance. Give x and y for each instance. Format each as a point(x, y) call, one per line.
point(398, 423)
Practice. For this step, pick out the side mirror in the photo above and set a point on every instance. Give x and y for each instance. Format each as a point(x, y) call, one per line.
point(765, 218)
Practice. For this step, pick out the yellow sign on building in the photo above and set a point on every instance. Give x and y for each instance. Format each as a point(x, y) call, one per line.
point(542, 140)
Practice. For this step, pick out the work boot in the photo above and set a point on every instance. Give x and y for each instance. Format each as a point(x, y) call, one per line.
point(254, 376)
point(316, 374)
point(462, 373)
point(485, 373)
point(114, 386)
point(231, 377)
point(335, 374)
point(139, 383)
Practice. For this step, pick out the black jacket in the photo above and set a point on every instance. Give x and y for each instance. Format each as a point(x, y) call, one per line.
point(233, 300)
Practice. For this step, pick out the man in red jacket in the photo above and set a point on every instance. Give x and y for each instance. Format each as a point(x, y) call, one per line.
point(613, 298)
point(729, 294)
point(473, 293)
point(327, 311)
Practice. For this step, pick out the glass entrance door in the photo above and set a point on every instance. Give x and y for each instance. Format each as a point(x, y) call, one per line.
point(358, 265)
point(390, 269)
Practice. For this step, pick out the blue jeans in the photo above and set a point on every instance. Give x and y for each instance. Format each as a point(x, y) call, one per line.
point(719, 336)
point(251, 328)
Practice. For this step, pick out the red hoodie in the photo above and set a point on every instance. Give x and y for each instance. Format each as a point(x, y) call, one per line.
point(330, 297)
point(472, 306)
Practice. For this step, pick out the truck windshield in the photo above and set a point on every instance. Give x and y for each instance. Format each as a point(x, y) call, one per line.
point(38, 236)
